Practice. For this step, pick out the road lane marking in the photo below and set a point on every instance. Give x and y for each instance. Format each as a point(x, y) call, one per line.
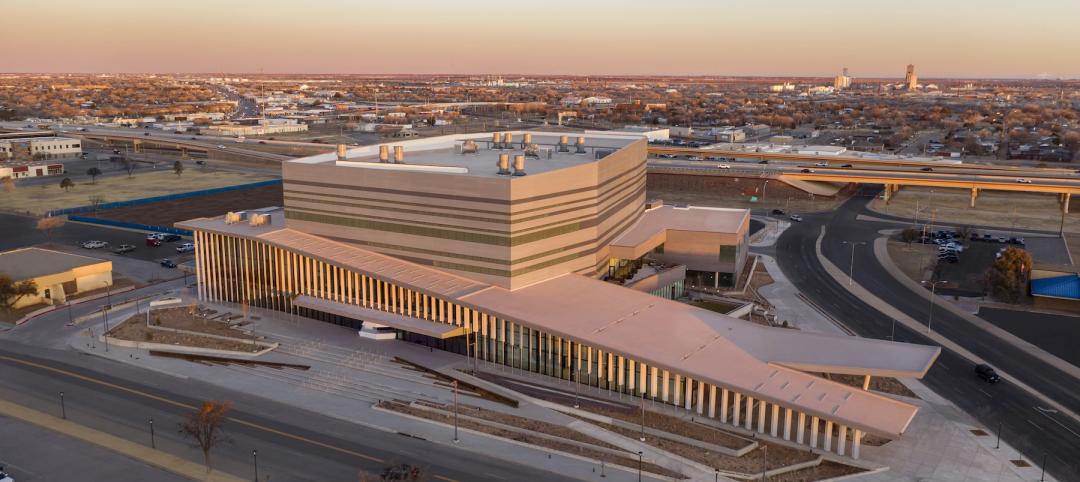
point(984, 393)
point(190, 407)
point(1046, 413)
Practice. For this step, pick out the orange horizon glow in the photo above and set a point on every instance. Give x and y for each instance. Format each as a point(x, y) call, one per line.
point(991, 38)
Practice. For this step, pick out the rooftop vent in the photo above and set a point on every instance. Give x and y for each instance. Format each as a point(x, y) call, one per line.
point(384, 153)
point(469, 147)
point(528, 140)
point(533, 151)
point(496, 140)
point(564, 144)
point(235, 217)
point(258, 219)
point(399, 155)
point(504, 164)
point(580, 145)
point(342, 152)
point(519, 165)
point(508, 140)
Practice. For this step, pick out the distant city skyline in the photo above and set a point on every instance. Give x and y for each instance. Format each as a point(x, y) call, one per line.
point(995, 39)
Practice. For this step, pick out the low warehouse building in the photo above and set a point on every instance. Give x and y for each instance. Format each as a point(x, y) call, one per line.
point(57, 275)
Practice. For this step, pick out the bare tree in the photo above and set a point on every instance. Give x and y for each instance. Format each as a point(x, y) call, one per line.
point(67, 184)
point(96, 201)
point(130, 166)
point(203, 426)
point(48, 224)
point(7, 184)
point(93, 172)
point(178, 168)
point(11, 291)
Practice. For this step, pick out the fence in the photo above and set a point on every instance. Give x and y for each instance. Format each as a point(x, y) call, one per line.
point(123, 224)
point(148, 200)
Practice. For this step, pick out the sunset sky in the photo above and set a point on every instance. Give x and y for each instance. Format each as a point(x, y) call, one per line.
point(944, 38)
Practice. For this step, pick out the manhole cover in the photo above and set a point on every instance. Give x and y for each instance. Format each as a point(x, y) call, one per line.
point(979, 432)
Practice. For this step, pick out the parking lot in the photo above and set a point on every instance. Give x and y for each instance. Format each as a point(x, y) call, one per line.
point(967, 276)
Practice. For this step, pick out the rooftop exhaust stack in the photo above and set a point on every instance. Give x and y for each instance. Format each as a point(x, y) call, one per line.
point(580, 145)
point(564, 144)
point(399, 155)
point(508, 140)
point(504, 164)
point(528, 140)
point(384, 153)
point(469, 147)
point(519, 165)
point(496, 140)
point(341, 152)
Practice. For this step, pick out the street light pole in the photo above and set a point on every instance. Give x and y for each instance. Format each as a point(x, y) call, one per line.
point(764, 461)
point(455, 384)
point(851, 266)
point(639, 462)
point(933, 290)
point(255, 459)
point(105, 335)
point(153, 445)
point(643, 417)
point(63, 409)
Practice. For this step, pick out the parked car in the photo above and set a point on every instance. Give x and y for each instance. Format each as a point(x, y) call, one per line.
point(94, 244)
point(124, 248)
point(167, 237)
point(778, 212)
point(168, 263)
point(4, 477)
point(146, 134)
point(200, 162)
point(796, 218)
point(987, 373)
point(1016, 241)
point(185, 248)
point(1002, 239)
point(987, 238)
point(153, 242)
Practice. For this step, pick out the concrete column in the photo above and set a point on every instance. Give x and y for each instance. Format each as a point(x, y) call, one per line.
point(652, 382)
point(800, 429)
point(749, 412)
point(974, 195)
point(775, 420)
point(813, 432)
point(856, 442)
point(841, 440)
point(735, 409)
point(712, 401)
point(888, 193)
point(723, 405)
point(688, 393)
point(700, 397)
point(762, 407)
point(787, 424)
point(866, 382)
point(828, 436)
point(620, 376)
point(643, 386)
point(1065, 202)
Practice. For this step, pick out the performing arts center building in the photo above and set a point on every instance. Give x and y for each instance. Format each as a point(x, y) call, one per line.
point(539, 251)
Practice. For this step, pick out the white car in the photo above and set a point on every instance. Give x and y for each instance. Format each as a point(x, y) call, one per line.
point(796, 218)
point(822, 164)
point(94, 244)
point(1023, 181)
point(4, 477)
point(723, 166)
point(185, 248)
point(221, 146)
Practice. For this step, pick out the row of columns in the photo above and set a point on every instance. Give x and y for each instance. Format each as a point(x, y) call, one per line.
point(260, 274)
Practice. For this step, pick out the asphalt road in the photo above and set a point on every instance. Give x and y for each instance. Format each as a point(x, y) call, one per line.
point(1056, 334)
point(292, 444)
point(1027, 424)
point(56, 457)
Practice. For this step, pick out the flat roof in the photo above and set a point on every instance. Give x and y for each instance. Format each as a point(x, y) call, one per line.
point(443, 153)
point(650, 230)
point(30, 263)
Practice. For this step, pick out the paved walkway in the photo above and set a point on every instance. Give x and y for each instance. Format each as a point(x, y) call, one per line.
point(348, 375)
point(142, 453)
point(939, 444)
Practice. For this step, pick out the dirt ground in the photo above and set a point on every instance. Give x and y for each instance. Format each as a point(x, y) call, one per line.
point(732, 192)
point(993, 208)
point(36, 200)
point(167, 213)
point(877, 384)
point(135, 329)
point(915, 260)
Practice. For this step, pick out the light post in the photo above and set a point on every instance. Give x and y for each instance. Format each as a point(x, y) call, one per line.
point(763, 186)
point(153, 445)
point(63, 410)
point(764, 461)
point(255, 459)
point(643, 417)
point(1043, 476)
point(639, 462)
point(851, 266)
point(105, 335)
point(716, 475)
point(933, 290)
point(455, 384)
point(577, 375)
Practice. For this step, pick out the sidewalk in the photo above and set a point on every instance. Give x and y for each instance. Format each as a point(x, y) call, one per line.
point(348, 375)
point(142, 453)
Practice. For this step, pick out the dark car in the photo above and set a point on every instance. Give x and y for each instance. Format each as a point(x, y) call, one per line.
point(987, 373)
point(778, 212)
point(168, 263)
point(806, 171)
point(847, 165)
point(763, 161)
point(200, 162)
point(169, 237)
point(927, 169)
point(146, 133)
